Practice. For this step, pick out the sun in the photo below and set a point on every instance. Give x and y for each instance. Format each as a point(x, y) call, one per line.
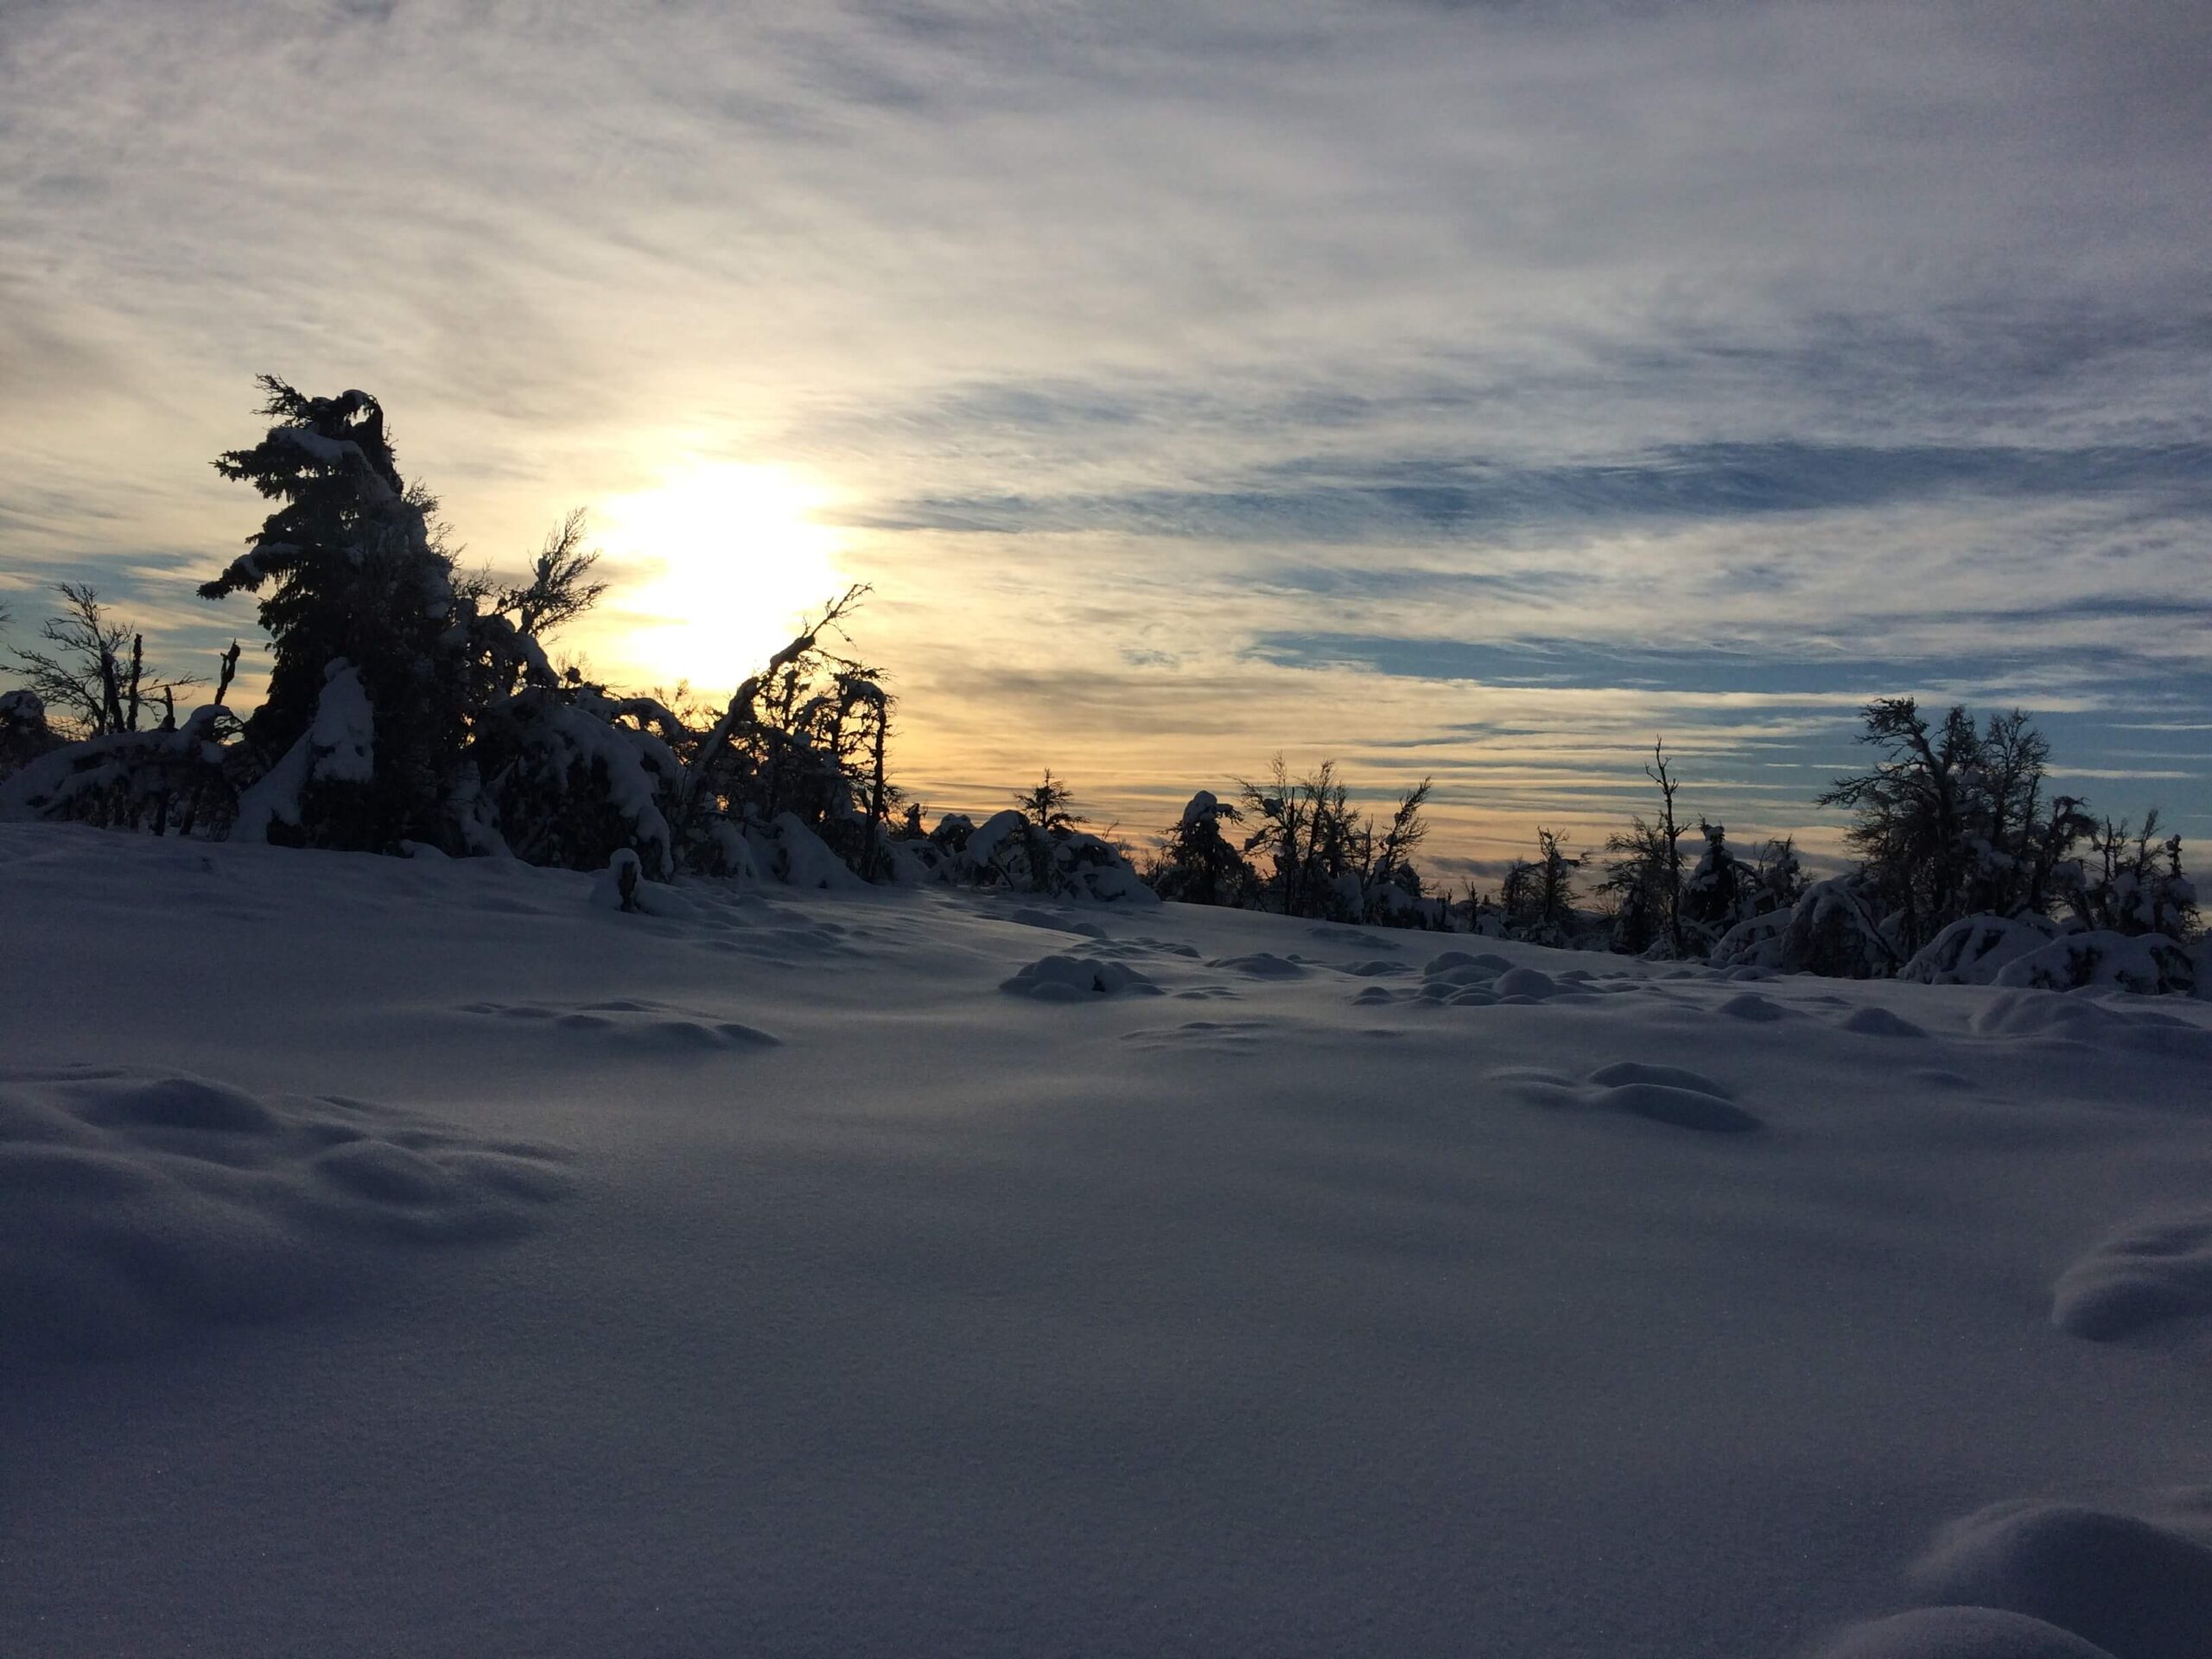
point(727, 558)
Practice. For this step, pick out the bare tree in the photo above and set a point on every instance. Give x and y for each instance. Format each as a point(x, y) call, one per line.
point(1671, 887)
point(88, 678)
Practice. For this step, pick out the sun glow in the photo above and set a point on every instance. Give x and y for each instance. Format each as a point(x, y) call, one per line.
point(727, 558)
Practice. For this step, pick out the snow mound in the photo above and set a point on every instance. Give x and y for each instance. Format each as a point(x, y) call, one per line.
point(2137, 1588)
point(2033, 1014)
point(630, 1024)
point(135, 1205)
point(1469, 981)
point(1262, 965)
point(1685, 1108)
point(1076, 979)
point(1959, 1633)
point(1880, 1022)
point(1377, 968)
point(1029, 916)
point(1333, 934)
point(1752, 1007)
point(1530, 982)
point(1459, 968)
point(1662, 1094)
point(2158, 1270)
point(1669, 1077)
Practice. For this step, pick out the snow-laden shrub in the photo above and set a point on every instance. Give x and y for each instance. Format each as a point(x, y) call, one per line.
point(1387, 903)
point(177, 779)
point(24, 733)
point(624, 886)
point(787, 851)
point(1756, 943)
point(1197, 864)
point(570, 775)
point(1085, 866)
point(2138, 886)
point(1831, 930)
point(1008, 850)
point(995, 853)
point(1974, 949)
point(2148, 963)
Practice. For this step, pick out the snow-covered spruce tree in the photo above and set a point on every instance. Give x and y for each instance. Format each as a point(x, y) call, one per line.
point(1198, 865)
point(1720, 891)
point(366, 719)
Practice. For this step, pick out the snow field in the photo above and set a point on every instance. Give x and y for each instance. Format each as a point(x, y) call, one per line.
point(759, 1276)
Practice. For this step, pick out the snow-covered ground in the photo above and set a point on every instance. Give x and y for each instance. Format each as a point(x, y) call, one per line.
point(415, 1258)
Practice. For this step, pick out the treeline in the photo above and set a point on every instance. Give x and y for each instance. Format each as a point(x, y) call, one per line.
point(1968, 868)
point(414, 705)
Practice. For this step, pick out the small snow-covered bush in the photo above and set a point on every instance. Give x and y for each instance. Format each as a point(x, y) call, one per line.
point(1831, 930)
point(24, 734)
point(1009, 850)
point(624, 886)
point(1198, 865)
point(179, 780)
point(1974, 949)
point(2147, 963)
point(789, 852)
point(567, 775)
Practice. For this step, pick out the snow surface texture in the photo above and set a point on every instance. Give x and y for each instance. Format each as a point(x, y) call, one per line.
point(1411, 1296)
point(139, 1203)
point(2023, 1580)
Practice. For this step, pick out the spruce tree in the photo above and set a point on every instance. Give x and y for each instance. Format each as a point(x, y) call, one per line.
point(350, 575)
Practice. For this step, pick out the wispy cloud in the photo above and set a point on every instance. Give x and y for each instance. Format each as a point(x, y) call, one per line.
point(1485, 384)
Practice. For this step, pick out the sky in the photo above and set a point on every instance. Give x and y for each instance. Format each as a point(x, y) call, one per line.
point(1474, 391)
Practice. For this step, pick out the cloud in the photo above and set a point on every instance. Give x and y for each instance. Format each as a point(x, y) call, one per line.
point(1198, 379)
